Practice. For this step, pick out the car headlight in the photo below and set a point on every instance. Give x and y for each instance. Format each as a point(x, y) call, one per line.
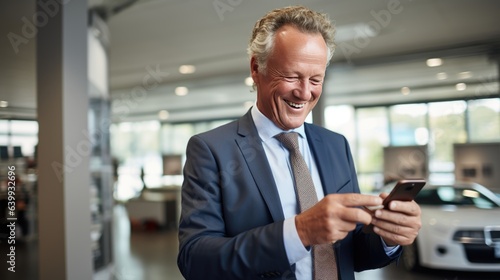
point(469, 236)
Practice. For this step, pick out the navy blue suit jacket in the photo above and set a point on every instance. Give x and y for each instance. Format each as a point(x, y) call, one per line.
point(231, 223)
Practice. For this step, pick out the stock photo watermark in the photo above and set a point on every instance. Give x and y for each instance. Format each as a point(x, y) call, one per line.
point(363, 36)
point(30, 25)
point(223, 6)
point(11, 218)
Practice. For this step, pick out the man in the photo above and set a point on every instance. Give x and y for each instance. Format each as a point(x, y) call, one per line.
point(242, 217)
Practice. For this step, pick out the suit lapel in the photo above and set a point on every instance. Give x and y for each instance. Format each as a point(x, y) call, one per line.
point(252, 150)
point(323, 160)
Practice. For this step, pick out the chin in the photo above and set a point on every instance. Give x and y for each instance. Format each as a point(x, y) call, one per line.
point(292, 125)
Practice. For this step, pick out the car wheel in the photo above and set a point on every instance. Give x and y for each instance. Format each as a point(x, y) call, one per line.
point(410, 257)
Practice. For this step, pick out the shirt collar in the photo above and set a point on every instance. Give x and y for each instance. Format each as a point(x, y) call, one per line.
point(267, 129)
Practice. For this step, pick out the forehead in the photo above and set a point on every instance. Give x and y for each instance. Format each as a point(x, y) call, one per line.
point(292, 44)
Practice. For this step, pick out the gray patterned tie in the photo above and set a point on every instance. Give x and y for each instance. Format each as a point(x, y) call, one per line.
point(325, 265)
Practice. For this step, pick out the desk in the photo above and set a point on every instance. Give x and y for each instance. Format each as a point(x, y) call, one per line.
point(161, 205)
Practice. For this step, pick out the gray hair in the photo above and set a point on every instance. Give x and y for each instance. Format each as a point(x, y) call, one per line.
point(306, 20)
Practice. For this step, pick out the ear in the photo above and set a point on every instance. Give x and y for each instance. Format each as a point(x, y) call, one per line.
point(254, 69)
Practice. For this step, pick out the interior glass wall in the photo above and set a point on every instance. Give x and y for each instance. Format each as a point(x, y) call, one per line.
point(436, 124)
point(139, 148)
point(484, 120)
point(408, 125)
point(20, 136)
point(447, 126)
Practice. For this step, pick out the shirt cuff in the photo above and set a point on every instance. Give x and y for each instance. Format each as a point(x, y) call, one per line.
point(295, 250)
point(389, 250)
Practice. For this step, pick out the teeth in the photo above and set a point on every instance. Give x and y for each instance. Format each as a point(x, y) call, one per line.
point(295, 105)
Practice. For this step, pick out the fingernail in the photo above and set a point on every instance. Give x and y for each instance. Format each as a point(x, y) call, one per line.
point(393, 205)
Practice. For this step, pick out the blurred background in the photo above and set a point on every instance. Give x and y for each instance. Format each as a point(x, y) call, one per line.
point(98, 99)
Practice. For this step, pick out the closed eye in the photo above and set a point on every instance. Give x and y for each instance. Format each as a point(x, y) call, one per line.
point(316, 82)
point(291, 78)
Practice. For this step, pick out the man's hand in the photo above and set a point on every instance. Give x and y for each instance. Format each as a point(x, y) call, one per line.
point(400, 224)
point(332, 218)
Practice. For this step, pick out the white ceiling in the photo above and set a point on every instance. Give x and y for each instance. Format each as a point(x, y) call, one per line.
point(164, 34)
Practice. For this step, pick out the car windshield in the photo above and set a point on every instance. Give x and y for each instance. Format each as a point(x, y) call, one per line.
point(448, 195)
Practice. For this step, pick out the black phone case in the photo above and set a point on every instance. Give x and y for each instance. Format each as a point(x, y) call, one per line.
point(405, 190)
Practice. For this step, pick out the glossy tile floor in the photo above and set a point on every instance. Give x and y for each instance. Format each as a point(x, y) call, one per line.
point(143, 255)
point(152, 256)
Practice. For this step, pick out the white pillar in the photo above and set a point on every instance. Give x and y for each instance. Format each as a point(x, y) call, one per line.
point(63, 149)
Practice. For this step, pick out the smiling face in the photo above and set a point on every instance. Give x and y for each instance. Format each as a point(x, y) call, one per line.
point(293, 81)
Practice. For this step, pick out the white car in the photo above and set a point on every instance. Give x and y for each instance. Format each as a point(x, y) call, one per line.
point(460, 229)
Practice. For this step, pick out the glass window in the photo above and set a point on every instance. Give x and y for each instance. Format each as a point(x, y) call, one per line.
point(121, 139)
point(135, 139)
point(24, 127)
point(370, 182)
point(408, 125)
point(372, 127)
point(447, 125)
point(484, 120)
point(4, 126)
point(137, 147)
point(27, 144)
point(4, 140)
point(147, 137)
point(341, 119)
point(174, 138)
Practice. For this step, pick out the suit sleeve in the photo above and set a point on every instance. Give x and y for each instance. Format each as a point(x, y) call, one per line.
point(206, 251)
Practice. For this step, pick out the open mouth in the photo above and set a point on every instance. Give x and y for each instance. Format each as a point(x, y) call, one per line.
point(295, 105)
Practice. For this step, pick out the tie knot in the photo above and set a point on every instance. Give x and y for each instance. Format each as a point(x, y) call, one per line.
point(289, 140)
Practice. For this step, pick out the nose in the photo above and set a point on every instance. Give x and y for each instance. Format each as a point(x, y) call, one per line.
point(303, 90)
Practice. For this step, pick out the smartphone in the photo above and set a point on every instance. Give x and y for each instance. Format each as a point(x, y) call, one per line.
point(405, 190)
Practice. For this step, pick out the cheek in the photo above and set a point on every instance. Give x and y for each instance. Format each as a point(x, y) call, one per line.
point(316, 92)
point(283, 88)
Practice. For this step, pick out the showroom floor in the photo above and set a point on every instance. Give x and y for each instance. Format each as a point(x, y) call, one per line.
point(152, 256)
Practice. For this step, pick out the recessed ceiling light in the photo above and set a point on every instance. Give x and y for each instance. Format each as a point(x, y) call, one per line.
point(187, 69)
point(181, 91)
point(249, 81)
point(163, 115)
point(405, 90)
point(442, 76)
point(4, 104)
point(465, 75)
point(461, 86)
point(434, 62)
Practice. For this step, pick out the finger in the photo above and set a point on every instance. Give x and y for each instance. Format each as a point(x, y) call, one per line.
point(356, 199)
point(408, 207)
point(393, 217)
point(394, 233)
point(398, 229)
point(356, 215)
point(396, 219)
point(383, 195)
point(393, 238)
